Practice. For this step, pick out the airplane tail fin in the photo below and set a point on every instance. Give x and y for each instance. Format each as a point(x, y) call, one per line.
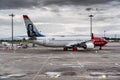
point(31, 29)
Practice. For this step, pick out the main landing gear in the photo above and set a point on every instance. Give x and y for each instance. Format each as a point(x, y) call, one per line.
point(65, 49)
point(73, 49)
point(100, 48)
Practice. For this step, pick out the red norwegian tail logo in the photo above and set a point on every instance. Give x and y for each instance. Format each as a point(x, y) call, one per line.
point(25, 17)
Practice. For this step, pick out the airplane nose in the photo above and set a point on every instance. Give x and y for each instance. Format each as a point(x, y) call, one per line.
point(105, 41)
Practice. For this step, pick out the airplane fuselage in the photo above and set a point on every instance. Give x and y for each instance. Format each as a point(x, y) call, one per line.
point(68, 41)
point(59, 41)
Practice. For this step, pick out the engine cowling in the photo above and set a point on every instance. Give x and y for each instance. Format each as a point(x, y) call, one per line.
point(89, 45)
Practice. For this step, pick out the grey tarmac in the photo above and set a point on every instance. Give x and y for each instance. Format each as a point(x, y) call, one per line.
point(44, 63)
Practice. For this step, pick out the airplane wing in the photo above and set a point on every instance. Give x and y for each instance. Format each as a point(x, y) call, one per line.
point(84, 44)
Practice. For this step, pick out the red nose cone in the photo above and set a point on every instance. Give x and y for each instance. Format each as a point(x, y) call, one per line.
point(106, 42)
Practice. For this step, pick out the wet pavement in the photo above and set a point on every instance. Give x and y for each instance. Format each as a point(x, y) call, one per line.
point(41, 63)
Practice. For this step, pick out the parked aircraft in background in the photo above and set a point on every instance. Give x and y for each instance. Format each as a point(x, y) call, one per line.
point(67, 42)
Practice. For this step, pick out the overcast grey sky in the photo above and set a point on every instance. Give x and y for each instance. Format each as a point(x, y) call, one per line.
point(59, 17)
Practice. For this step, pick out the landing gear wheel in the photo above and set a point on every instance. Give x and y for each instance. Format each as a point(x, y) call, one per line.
point(65, 49)
point(74, 49)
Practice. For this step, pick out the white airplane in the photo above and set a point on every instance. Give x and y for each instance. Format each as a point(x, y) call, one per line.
point(67, 42)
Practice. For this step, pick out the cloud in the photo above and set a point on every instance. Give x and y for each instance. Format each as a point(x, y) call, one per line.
point(15, 4)
point(76, 2)
point(61, 16)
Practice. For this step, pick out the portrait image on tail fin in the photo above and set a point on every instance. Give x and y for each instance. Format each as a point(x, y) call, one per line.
point(30, 31)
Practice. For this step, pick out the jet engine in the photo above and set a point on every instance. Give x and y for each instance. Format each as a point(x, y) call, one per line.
point(88, 45)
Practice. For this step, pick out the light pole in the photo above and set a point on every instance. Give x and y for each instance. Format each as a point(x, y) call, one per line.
point(91, 24)
point(104, 34)
point(12, 15)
